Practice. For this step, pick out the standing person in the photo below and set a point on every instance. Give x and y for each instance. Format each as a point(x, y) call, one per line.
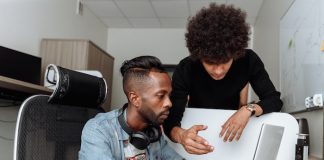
point(133, 132)
point(215, 73)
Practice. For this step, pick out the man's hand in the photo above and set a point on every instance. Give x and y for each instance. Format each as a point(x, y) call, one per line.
point(235, 125)
point(189, 139)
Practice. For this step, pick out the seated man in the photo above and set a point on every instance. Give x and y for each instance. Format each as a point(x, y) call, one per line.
point(133, 132)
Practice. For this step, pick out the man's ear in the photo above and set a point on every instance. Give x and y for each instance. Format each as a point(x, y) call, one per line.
point(134, 98)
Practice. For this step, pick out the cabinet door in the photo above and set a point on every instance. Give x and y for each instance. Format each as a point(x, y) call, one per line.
point(94, 58)
point(107, 65)
point(71, 54)
point(101, 61)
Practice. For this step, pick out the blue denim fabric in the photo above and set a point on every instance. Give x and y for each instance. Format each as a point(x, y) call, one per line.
point(102, 139)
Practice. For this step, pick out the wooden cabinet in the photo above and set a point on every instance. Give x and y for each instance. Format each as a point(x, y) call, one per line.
point(78, 55)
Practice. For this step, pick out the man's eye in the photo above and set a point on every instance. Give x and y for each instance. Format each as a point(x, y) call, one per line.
point(161, 96)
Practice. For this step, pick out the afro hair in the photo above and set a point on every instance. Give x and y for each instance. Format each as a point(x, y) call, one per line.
point(217, 34)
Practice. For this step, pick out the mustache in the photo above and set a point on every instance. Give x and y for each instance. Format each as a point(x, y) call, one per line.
point(167, 112)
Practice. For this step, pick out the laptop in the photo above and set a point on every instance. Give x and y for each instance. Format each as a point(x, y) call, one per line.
point(269, 142)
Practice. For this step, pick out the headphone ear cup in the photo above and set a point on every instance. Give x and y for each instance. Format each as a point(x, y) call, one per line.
point(154, 133)
point(140, 140)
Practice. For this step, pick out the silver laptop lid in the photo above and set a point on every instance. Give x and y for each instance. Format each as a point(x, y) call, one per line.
point(268, 142)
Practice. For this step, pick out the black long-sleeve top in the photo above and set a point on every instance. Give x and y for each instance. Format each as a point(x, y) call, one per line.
point(191, 79)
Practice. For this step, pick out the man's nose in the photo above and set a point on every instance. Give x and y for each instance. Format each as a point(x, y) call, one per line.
point(218, 70)
point(168, 103)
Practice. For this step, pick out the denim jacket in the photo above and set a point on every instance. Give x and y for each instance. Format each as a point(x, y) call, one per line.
point(102, 139)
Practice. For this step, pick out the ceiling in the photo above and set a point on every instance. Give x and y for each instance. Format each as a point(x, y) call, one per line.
point(159, 13)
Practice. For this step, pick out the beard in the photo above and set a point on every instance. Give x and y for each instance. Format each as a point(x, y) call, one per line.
point(150, 117)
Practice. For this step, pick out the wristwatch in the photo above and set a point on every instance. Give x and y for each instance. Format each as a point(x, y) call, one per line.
point(251, 108)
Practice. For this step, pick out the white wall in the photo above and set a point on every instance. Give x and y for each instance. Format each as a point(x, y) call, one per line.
point(266, 44)
point(124, 44)
point(266, 35)
point(23, 23)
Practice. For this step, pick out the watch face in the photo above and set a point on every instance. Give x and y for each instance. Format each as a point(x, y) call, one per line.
point(251, 108)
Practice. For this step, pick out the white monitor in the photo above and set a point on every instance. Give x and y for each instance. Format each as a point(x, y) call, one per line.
point(245, 148)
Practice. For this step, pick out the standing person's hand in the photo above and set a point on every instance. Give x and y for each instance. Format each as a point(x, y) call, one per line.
point(234, 126)
point(189, 139)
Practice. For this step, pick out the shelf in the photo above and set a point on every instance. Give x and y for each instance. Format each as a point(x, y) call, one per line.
point(21, 86)
point(313, 158)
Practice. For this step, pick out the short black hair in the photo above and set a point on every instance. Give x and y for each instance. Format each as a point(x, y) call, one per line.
point(138, 69)
point(218, 33)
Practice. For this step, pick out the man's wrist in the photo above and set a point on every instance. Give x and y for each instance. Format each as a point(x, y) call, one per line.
point(252, 108)
point(175, 134)
point(258, 109)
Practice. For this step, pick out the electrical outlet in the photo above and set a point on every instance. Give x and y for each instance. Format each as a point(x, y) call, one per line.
point(318, 100)
point(308, 102)
point(314, 101)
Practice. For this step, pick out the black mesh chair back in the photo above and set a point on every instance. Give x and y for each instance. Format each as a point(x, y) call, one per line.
point(50, 127)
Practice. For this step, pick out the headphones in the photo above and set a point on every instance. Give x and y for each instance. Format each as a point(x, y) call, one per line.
point(140, 139)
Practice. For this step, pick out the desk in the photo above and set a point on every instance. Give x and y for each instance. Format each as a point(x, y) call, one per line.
point(21, 86)
point(313, 158)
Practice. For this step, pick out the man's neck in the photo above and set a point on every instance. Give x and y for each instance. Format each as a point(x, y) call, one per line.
point(134, 120)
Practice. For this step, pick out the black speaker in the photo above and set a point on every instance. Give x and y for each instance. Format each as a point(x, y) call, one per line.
point(303, 129)
point(140, 139)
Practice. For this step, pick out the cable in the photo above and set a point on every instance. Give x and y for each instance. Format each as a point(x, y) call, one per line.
point(7, 139)
point(5, 121)
point(10, 103)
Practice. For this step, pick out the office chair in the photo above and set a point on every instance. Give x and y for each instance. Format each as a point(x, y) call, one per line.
point(50, 127)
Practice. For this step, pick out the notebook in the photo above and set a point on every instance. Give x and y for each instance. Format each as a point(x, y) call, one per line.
point(269, 142)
